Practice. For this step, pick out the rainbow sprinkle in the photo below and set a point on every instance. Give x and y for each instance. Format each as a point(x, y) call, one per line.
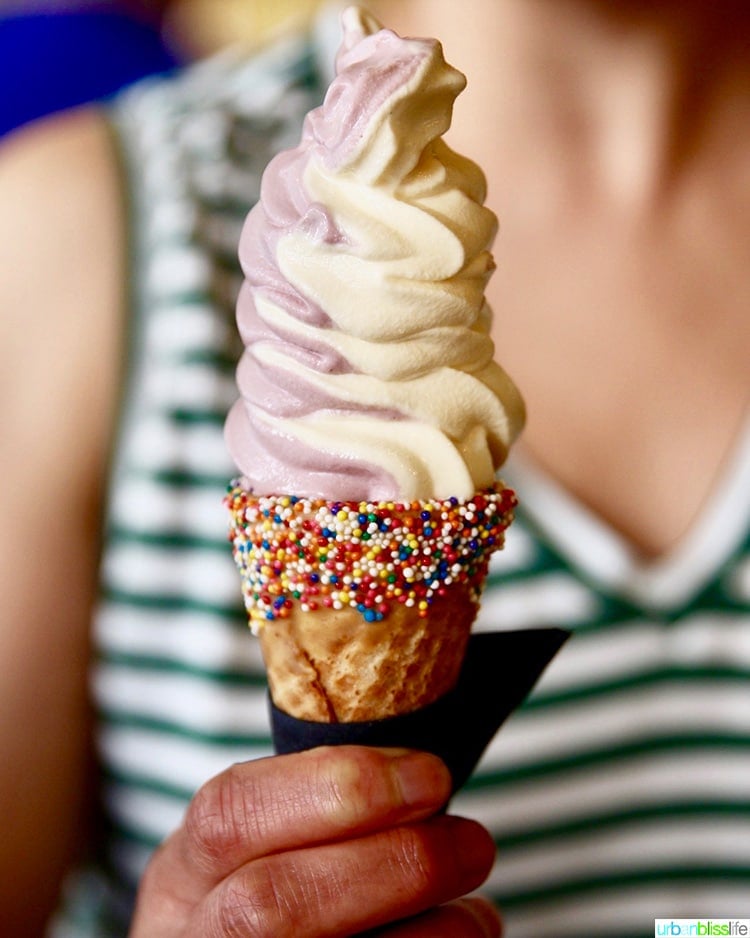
point(366, 555)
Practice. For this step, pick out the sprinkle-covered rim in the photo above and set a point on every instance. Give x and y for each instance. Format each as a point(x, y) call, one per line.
point(322, 554)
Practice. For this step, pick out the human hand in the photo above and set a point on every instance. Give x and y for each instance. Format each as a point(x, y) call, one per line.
point(330, 842)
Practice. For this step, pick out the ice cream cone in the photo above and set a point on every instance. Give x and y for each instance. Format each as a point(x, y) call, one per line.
point(369, 373)
point(363, 610)
point(334, 666)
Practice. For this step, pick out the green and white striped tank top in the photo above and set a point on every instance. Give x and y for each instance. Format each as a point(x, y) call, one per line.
point(618, 793)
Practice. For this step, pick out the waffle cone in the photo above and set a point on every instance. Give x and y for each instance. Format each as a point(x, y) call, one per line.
point(333, 666)
point(363, 609)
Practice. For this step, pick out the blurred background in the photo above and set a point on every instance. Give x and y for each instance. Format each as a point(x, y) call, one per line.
point(56, 54)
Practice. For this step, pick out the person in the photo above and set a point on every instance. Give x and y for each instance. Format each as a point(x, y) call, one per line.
point(613, 135)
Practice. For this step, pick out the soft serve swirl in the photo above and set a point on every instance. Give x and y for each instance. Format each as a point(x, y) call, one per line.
point(368, 371)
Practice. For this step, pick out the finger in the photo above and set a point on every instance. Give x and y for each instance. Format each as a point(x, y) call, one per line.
point(286, 802)
point(345, 888)
point(472, 917)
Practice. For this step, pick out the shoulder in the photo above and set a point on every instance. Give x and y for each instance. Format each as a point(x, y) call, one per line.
point(61, 241)
point(39, 160)
point(57, 176)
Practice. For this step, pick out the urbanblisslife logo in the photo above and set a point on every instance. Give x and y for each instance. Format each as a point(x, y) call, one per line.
point(710, 927)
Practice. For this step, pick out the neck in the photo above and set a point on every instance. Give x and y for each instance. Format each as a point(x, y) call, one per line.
point(624, 89)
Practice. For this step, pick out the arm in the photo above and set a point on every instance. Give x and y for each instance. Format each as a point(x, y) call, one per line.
point(59, 332)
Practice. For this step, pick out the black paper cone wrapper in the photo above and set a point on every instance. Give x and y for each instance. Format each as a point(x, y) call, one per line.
point(499, 672)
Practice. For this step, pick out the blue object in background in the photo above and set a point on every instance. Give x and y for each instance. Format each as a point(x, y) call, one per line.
point(56, 60)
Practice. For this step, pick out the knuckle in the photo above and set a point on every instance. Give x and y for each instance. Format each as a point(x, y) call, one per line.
point(251, 906)
point(438, 860)
point(248, 912)
point(413, 861)
point(221, 817)
point(350, 784)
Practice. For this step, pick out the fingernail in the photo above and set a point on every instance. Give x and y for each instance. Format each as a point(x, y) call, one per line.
point(423, 779)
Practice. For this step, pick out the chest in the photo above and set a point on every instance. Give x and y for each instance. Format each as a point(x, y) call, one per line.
point(632, 349)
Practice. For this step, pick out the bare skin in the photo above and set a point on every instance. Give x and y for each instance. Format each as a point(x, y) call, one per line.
point(351, 817)
point(616, 162)
point(615, 139)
